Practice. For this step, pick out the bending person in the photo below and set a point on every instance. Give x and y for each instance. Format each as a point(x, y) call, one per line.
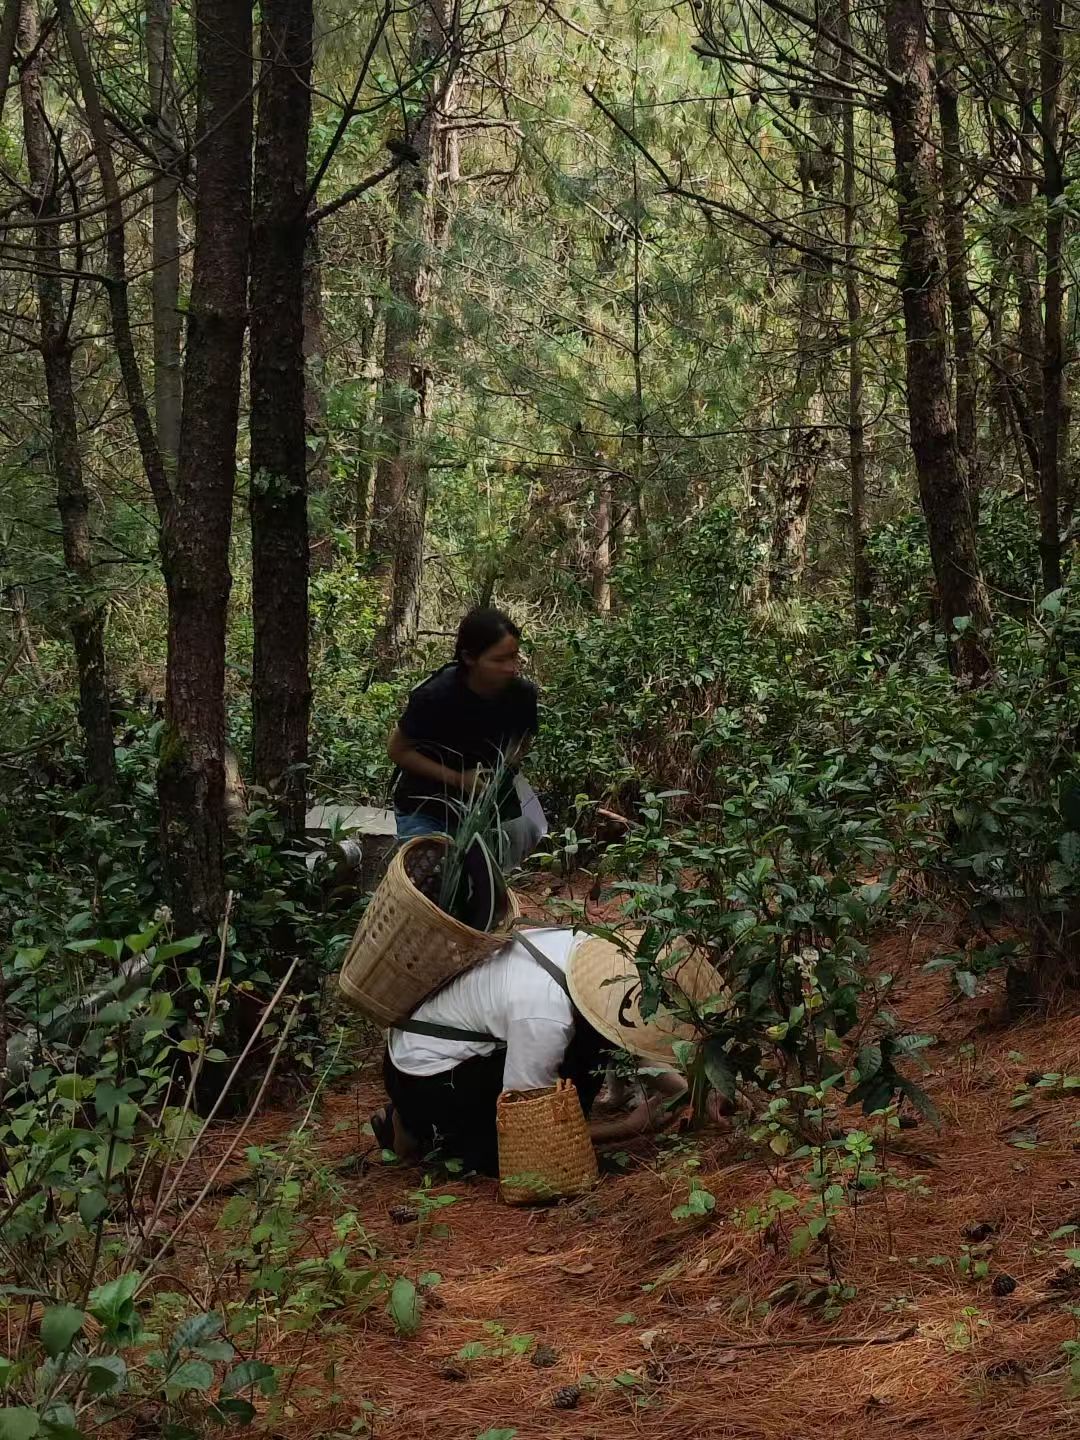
point(552, 1003)
point(474, 714)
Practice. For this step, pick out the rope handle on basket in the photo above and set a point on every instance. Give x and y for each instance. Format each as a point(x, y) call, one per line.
point(562, 1100)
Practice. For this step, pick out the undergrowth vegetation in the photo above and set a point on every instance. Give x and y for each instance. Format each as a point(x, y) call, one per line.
point(789, 789)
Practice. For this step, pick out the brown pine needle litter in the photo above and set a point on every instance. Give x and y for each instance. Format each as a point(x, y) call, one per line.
point(689, 1330)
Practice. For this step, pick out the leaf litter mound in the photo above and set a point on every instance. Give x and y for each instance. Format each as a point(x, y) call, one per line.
point(608, 1318)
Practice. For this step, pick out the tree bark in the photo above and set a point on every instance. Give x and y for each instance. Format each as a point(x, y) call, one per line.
point(318, 472)
point(600, 565)
point(956, 253)
point(1052, 446)
point(86, 608)
point(24, 639)
point(165, 244)
point(861, 579)
point(938, 464)
point(281, 685)
point(116, 263)
point(1029, 400)
point(9, 30)
point(807, 446)
point(367, 428)
point(399, 506)
point(195, 536)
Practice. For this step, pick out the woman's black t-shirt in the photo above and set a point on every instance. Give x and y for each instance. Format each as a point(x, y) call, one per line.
point(450, 723)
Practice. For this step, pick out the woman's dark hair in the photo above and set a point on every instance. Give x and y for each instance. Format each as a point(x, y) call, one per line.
point(480, 630)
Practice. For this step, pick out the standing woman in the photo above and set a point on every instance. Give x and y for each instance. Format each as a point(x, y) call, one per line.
point(463, 719)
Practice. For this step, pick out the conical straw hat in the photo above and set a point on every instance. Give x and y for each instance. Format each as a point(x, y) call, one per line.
point(605, 987)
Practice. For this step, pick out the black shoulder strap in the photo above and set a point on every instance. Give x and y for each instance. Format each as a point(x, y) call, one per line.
point(477, 1037)
point(543, 961)
point(446, 1032)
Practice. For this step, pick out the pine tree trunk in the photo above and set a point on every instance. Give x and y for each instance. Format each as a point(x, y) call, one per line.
point(404, 373)
point(115, 237)
point(807, 446)
point(1026, 273)
point(281, 685)
point(938, 464)
point(195, 536)
point(86, 610)
point(165, 246)
point(956, 254)
point(399, 506)
point(862, 585)
point(601, 547)
point(9, 31)
point(318, 473)
point(1052, 464)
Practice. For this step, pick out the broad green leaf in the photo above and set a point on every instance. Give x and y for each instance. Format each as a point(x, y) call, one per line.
point(191, 1375)
point(19, 1423)
point(105, 1374)
point(91, 1205)
point(404, 1306)
point(237, 1412)
point(113, 1304)
point(59, 1326)
point(248, 1373)
point(172, 948)
point(194, 1331)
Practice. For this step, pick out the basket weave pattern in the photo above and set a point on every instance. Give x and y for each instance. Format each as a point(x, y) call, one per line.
point(545, 1151)
point(405, 947)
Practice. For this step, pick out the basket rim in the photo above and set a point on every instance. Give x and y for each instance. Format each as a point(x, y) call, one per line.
point(429, 906)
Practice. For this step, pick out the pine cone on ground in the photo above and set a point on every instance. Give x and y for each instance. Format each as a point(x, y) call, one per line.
point(567, 1398)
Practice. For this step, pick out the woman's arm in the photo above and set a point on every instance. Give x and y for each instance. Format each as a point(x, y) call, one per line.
point(406, 756)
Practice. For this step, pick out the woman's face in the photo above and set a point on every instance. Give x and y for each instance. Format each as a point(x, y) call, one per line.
point(494, 668)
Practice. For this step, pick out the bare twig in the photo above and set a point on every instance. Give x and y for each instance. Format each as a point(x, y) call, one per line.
point(353, 193)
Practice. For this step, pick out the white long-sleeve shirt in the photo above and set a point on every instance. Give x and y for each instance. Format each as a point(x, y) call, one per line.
point(510, 996)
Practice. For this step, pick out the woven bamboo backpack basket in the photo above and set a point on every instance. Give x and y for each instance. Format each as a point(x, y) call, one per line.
point(405, 948)
point(545, 1150)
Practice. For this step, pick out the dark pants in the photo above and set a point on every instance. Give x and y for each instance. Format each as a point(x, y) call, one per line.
point(454, 1112)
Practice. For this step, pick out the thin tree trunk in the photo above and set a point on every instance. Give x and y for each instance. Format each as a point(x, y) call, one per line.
point(9, 30)
point(862, 585)
point(24, 639)
point(314, 372)
point(116, 263)
point(404, 373)
point(195, 536)
point(956, 253)
point(1051, 449)
point(807, 446)
point(367, 442)
point(281, 685)
point(1026, 273)
point(399, 510)
point(165, 220)
point(942, 488)
point(86, 607)
point(601, 547)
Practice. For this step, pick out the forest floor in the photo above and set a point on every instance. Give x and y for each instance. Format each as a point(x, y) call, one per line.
point(702, 1328)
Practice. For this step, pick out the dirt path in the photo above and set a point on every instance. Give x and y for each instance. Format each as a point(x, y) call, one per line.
point(650, 1317)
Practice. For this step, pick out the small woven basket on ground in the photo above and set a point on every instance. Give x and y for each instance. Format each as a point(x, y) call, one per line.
point(545, 1151)
point(405, 947)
